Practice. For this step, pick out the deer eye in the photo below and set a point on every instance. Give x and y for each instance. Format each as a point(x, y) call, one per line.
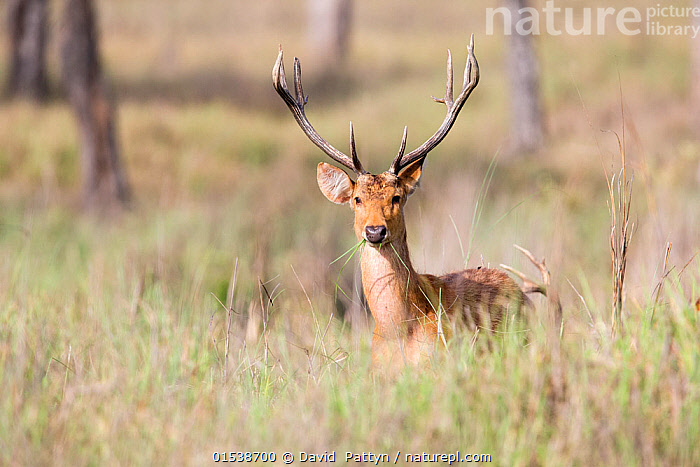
point(358, 201)
point(396, 199)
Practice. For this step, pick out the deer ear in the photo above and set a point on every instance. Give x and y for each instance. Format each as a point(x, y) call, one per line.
point(410, 175)
point(334, 183)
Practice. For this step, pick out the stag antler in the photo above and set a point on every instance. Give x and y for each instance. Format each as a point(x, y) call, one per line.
point(471, 79)
point(544, 288)
point(279, 82)
point(530, 286)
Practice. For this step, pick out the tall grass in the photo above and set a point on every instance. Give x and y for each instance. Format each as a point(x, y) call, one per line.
point(621, 231)
point(86, 379)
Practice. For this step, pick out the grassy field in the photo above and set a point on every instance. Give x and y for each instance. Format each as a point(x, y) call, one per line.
point(113, 343)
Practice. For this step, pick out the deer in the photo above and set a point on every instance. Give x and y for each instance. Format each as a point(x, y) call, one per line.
point(411, 311)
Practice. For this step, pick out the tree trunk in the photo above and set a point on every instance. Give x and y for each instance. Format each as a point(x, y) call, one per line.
point(526, 133)
point(27, 24)
point(329, 29)
point(104, 181)
point(695, 79)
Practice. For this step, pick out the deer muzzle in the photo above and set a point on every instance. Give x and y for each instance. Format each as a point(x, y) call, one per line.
point(376, 234)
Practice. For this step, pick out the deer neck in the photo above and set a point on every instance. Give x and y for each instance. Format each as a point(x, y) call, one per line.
point(390, 283)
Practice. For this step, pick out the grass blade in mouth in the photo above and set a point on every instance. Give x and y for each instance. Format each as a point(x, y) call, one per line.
point(351, 251)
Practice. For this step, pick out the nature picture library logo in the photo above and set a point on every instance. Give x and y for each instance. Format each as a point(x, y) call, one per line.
point(659, 20)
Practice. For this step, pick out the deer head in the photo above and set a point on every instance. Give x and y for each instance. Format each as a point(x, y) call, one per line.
point(377, 200)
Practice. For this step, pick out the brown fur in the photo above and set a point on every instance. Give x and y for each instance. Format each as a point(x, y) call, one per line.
point(412, 310)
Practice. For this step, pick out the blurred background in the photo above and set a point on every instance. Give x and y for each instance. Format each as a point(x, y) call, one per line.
point(144, 153)
point(200, 135)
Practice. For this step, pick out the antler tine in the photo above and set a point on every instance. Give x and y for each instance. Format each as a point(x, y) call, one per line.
point(296, 106)
point(530, 286)
point(540, 265)
point(544, 288)
point(471, 59)
point(448, 99)
point(396, 165)
point(357, 165)
point(470, 81)
point(298, 90)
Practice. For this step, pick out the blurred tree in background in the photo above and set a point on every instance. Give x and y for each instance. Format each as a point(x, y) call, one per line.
point(695, 79)
point(104, 182)
point(329, 23)
point(526, 133)
point(27, 25)
point(103, 178)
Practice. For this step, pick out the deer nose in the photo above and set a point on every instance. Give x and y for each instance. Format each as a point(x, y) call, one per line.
point(375, 233)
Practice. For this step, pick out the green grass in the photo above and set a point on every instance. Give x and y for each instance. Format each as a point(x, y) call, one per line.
point(112, 341)
point(112, 349)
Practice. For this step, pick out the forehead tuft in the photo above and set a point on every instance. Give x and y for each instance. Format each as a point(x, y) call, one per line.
point(370, 184)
